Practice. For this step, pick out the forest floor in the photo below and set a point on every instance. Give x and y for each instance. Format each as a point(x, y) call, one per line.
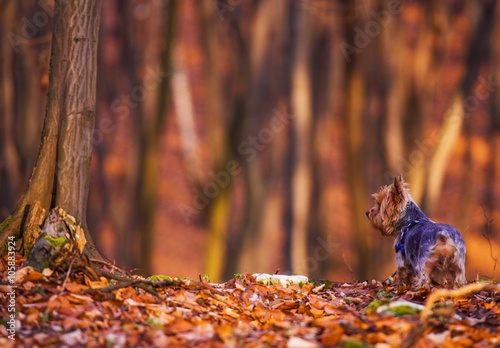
point(69, 310)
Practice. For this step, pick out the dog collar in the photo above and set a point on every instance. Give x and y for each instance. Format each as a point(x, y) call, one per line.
point(400, 246)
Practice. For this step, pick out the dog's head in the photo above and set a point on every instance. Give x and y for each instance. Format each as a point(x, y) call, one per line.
point(390, 203)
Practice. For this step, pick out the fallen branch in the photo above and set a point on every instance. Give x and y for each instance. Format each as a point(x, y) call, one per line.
point(467, 289)
point(67, 275)
point(434, 297)
point(111, 266)
point(139, 283)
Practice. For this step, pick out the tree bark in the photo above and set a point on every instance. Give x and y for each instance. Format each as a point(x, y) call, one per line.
point(76, 50)
point(60, 176)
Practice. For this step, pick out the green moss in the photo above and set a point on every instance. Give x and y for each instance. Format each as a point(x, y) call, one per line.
point(45, 317)
point(3, 226)
point(354, 343)
point(328, 284)
point(381, 294)
point(159, 277)
point(154, 323)
point(372, 307)
point(403, 310)
point(56, 241)
point(6, 223)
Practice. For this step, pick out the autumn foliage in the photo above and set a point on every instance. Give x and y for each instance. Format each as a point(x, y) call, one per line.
point(68, 309)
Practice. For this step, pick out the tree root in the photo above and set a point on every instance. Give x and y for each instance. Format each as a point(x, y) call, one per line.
point(61, 246)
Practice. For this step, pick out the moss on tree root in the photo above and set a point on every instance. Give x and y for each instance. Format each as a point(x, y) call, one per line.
point(6, 223)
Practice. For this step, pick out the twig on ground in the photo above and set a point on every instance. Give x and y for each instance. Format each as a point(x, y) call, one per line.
point(467, 289)
point(140, 283)
point(67, 275)
point(434, 297)
point(112, 266)
point(349, 267)
point(486, 235)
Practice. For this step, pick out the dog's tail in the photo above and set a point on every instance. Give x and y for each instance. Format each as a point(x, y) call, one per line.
point(443, 265)
point(445, 248)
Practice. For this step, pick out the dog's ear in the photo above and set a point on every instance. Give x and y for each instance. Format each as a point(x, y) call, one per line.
point(399, 184)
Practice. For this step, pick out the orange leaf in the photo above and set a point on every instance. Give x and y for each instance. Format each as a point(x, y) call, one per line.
point(32, 318)
point(27, 274)
point(75, 288)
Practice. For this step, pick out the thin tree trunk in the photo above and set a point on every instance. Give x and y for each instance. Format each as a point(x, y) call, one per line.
point(10, 169)
point(301, 99)
point(218, 220)
point(155, 106)
point(355, 100)
point(455, 114)
point(258, 105)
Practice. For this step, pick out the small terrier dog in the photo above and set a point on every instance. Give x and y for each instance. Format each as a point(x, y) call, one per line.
point(434, 253)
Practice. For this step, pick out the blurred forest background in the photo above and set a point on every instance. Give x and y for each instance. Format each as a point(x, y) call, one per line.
point(246, 135)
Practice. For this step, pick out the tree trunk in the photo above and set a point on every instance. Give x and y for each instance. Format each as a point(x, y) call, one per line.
point(355, 88)
point(301, 100)
point(60, 176)
point(458, 109)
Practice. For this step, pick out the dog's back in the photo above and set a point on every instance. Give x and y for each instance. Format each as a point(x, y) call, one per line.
point(443, 265)
point(438, 252)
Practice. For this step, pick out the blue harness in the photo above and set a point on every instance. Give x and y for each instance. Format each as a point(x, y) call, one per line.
point(400, 246)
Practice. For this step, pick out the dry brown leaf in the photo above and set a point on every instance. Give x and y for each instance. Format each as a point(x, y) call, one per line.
point(225, 332)
point(75, 288)
point(27, 274)
point(97, 284)
point(331, 335)
point(32, 318)
point(180, 325)
point(79, 299)
point(70, 323)
point(241, 312)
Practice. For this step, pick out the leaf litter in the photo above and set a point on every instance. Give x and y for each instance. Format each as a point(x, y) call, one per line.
point(67, 310)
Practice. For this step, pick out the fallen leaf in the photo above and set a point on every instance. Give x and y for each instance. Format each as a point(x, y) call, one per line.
point(27, 274)
point(75, 288)
point(294, 342)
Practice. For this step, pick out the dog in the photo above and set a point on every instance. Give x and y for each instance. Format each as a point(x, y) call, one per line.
point(433, 253)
